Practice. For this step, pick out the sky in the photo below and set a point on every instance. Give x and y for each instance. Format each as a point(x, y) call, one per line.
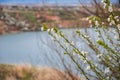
point(64, 2)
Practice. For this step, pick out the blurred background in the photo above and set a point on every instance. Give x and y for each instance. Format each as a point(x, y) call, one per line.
point(23, 43)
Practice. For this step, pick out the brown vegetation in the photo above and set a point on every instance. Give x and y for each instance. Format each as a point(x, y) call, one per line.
point(32, 20)
point(10, 72)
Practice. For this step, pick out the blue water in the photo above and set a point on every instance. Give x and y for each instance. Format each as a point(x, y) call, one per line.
point(61, 2)
point(36, 47)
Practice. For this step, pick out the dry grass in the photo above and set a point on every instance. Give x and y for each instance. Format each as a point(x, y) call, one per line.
point(23, 72)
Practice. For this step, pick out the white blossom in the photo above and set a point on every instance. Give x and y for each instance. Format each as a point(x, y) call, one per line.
point(87, 18)
point(108, 19)
point(96, 65)
point(108, 78)
point(118, 26)
point(90, 21)
point(86, 36)
point(58, 37)
point(88, 68)
point(99, 60)
point(99, 55)
point(52, 30)
point(48, 30)
point(84, 53)
point(110, 24)
point(110, 9)
point(96, 23)
point(66, 44)
point(107, 70)
point(104, 6)
point(110, 58)
point(103, 23)
point(42, 29)
point(116, 17)
point(116, 36)
point(113, 22)
point(117, 20)
point(72, 43)
point(84, 61)
point(91, 26)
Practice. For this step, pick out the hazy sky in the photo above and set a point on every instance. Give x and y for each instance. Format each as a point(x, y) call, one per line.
point(49, 1)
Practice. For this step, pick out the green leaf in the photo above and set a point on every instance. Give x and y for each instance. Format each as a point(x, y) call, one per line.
point(100, 42)
point(55, 29)
point(78, 31)
point(44, 27)
point(65, 52)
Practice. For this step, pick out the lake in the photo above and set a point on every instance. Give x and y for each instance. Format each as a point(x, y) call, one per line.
point(32, 47)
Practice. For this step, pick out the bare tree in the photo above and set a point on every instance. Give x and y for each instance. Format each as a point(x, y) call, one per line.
point(96, 7)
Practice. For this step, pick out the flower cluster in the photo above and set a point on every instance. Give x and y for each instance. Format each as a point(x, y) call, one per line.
point(105, 49)
point(107, 5)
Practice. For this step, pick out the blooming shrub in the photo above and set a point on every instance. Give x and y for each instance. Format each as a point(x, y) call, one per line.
point(106, 65)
